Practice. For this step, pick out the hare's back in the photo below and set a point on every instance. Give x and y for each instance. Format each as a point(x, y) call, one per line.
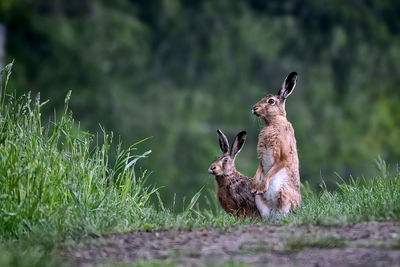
point(241, 191)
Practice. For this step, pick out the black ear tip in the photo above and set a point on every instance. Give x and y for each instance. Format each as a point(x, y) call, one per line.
point(242, 134)
point(292, 75)
point(219, 131)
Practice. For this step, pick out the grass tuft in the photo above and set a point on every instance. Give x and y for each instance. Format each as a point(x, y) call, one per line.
point(59, 180)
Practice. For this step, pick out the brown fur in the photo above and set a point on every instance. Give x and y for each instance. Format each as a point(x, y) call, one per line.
point(277, 150)
point(233, 193)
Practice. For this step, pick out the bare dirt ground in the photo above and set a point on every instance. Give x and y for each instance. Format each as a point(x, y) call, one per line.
point(363, 244)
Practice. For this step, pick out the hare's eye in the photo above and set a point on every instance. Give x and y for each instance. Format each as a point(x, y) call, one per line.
point(225, 159)
point(271, 101)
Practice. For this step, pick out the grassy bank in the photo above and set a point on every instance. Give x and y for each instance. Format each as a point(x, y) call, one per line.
point(59, 183)
point(58, 179)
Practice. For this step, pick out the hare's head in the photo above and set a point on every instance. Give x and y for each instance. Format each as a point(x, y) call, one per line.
point(274, 105)
point(224, 165)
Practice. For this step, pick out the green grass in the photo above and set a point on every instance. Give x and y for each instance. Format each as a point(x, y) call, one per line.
point(58, 183)
point(294, 244)
point(58, 179)
point(358, 199)
point(29, 255)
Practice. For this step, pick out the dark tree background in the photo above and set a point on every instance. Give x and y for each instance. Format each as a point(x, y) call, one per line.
point(177, 70)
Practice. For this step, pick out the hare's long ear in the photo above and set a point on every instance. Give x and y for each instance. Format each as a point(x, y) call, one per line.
point(238, 143)
point(288, 85)
point(223, 142)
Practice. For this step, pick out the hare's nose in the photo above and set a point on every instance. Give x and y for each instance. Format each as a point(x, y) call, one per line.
point(211, 170)
point(254, 110)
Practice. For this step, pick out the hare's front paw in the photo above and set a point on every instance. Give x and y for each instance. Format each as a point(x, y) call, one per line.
point(262, 188)
point(254, 187)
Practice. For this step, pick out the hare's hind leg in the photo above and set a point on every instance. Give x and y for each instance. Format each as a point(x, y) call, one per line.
point(287, 199)
point(262, 206)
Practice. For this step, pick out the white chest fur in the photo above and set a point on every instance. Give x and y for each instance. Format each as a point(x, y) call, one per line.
point(275, 185)
point(267, 203)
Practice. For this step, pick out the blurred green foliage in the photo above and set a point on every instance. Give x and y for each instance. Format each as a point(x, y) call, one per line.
point(177, 70)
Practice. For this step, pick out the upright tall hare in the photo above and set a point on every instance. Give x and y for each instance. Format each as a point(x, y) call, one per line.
point(233, 187)
point(279, 190)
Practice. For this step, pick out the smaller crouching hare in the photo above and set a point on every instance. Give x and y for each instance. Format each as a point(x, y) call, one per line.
point(278, 192)
point(233, 187)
